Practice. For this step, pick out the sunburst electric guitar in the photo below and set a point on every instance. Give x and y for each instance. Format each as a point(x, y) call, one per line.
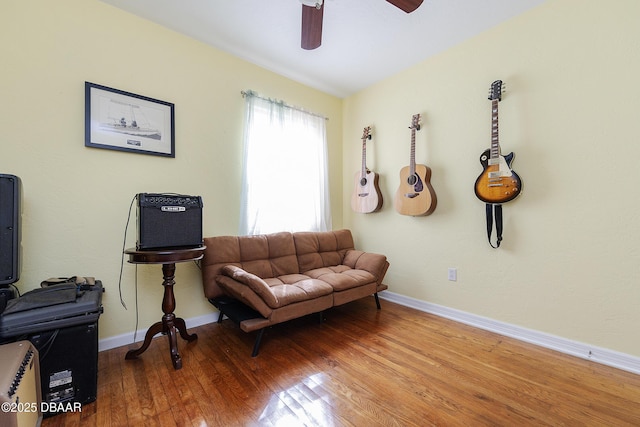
point(366, 196)
point(415, 195)
point(497, 183)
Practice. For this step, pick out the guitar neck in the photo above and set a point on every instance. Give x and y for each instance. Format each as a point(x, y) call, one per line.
point(415, 125)
point(495, 146)
point(412, 162)
point(364, 158)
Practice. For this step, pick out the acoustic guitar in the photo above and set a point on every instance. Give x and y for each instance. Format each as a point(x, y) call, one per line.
point(415, 195)
point(366, 196)
point(497, 183)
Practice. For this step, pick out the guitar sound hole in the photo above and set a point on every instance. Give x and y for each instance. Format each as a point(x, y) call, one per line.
point(363, 181)
point(411, 180)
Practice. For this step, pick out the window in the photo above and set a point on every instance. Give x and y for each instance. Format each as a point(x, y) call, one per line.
point(285, 183)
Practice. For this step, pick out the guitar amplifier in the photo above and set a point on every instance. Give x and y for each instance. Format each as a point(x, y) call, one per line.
point(169, 221)
point(19, 385)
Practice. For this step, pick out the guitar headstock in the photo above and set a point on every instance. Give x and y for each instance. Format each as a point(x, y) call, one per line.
point(495, 91)
point(415, 122)
point(366, 133)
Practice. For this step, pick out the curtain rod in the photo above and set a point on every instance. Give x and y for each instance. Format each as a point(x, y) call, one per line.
point(246, 93)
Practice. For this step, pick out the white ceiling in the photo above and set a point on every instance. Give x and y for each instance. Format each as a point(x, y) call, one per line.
point(363, 41)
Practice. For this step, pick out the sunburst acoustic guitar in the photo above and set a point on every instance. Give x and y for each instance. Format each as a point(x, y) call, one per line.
point(366, 196)
point(415, 195)
point(497, 183)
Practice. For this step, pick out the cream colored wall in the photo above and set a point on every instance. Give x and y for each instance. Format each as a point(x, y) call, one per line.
point(569, 264)
point(76, 199)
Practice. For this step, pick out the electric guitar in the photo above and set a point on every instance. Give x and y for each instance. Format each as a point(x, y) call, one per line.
point(415, 196)
point(497, 183)
point(366, 196)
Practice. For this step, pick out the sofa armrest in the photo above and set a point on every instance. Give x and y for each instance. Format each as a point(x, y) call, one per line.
point(244, 294)
point(375, 264)
point(255, 283)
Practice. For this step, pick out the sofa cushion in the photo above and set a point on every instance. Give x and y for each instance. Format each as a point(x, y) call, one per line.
point(279, 291)
point(220, 251)
point(302, 290)
point(342, 277)
point(321, 249)
point(268, 255)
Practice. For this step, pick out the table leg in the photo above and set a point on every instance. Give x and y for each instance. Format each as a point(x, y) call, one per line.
point(170, 323)
point(155, 329)
point(170, 330)
point(182, 328)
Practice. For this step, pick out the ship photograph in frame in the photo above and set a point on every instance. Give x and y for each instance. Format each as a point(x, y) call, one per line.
point(124, 121)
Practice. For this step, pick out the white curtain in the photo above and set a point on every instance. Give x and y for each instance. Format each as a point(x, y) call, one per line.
point(285, 183)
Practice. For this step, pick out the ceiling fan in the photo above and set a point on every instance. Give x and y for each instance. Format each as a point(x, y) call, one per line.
point(313, 10)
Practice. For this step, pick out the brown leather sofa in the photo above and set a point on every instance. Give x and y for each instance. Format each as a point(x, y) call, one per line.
point(262, 280)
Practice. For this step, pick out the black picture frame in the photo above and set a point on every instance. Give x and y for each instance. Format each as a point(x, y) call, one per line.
point(124, 121)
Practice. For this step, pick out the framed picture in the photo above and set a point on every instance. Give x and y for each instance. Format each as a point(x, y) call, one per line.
point(118, 120)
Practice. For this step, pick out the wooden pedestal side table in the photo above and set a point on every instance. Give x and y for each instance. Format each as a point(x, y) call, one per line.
point(170, 323)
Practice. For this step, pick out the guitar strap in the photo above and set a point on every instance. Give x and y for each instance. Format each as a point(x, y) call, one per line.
point(494, 212)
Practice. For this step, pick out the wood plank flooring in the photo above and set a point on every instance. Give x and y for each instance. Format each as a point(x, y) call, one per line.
point(360, 367)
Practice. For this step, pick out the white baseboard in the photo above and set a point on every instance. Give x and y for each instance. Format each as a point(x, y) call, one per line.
point(128, 338)
point(585, 351)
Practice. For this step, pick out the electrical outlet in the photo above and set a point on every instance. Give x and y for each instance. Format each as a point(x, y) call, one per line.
point(453, 274)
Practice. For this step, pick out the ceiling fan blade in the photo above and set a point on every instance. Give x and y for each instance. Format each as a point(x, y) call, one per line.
point(311, 27)
point(406, 5)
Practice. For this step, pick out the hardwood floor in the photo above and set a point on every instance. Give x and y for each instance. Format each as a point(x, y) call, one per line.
point(360, 367)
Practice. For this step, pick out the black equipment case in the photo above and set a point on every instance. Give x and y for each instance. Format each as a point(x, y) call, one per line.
point(54, 307)
point(61, 321)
